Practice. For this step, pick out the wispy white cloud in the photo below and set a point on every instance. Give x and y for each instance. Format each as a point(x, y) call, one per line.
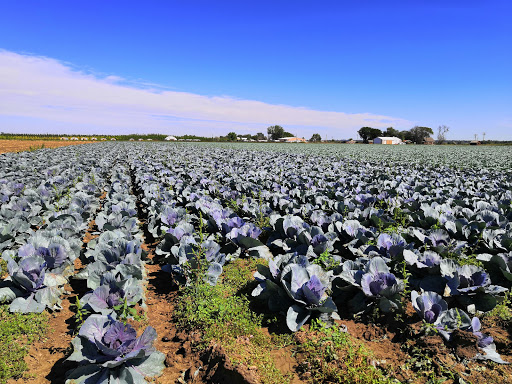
point(61, 98)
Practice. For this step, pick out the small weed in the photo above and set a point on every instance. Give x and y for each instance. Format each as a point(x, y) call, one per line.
point(262, 220)
point(330, 355)
point(238, 278)
point(371, 242)
point(17, 332)
point(282, 340)
point(81, 313)
point(3, 267)
point(214, 309)
point(36, 147)
point(401, 217)
point(393, 229)
point(222, 314)
point(427, 366)
point(235, 205)
point(501, 313)
point(126, 310)
point(326, 261)
point(467, 260)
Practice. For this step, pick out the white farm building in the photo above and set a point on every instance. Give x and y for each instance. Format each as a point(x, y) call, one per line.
point(387, 140)
point(170, 138)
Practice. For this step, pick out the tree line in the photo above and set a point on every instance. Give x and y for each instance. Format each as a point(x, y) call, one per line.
point(416, 134)
point(274, 132)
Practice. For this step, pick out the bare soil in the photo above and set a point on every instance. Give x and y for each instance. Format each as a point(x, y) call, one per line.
point(46, 358)
point(24, 145)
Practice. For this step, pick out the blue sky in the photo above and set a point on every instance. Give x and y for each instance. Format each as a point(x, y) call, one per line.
point(209, 67)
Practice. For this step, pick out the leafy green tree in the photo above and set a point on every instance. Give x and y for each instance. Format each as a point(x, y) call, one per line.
point(405, 135)
point(369, 133)
point(288, 134)
point(232, 136)
point(315, 138)
point(259, 136)
point(419, 134)
point(275, 132)
point(391, 132)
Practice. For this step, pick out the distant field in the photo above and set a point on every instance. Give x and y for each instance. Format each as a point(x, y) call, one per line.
point(25, 145)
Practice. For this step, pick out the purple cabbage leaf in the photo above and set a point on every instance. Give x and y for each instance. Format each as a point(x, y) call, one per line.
point(108, 350)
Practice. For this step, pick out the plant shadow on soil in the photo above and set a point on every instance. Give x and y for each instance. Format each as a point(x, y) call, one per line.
point(162, 282)
point(58, 372)
point(274, 322)
point(61, 367)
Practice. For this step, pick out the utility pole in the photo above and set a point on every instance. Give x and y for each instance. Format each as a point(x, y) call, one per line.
point(483, 137)
point(476, 136)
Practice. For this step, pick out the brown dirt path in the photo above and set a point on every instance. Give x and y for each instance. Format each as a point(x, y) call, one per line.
point(45, 359)
point(24, 145)
point(180, 357)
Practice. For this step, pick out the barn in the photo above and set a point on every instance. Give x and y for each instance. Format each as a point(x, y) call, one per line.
point(387, 140)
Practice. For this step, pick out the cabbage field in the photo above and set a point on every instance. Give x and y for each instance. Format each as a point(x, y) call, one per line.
point(405, 251)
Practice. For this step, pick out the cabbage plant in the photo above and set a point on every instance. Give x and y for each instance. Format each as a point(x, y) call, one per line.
point(454, 319)
point(428, 305)
point(108, 351)
point(188, 257)
point(470, 285)
point(29, 288)
point(112, 292)
point(307, 287)
point(374, 280)
point(297, 290)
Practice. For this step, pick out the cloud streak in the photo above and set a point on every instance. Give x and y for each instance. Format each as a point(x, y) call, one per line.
point(63, 99)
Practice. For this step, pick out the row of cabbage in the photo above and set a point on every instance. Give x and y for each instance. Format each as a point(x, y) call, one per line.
point(343, 234)
point(187, 242)
point(55, 207)
point(46, 231)
point(32, 194)
point(472, 158)
point(22, 171)
point(106, 348)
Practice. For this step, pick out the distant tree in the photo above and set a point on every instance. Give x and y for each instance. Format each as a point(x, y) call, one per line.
point(391, 132)
point(369, 133)
point(405, 135)
point(232, 136)
point(288, 134)
point(315, 138)
point(259, 136)
point(442, 130)
point(275, 132)
point(419, 134)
